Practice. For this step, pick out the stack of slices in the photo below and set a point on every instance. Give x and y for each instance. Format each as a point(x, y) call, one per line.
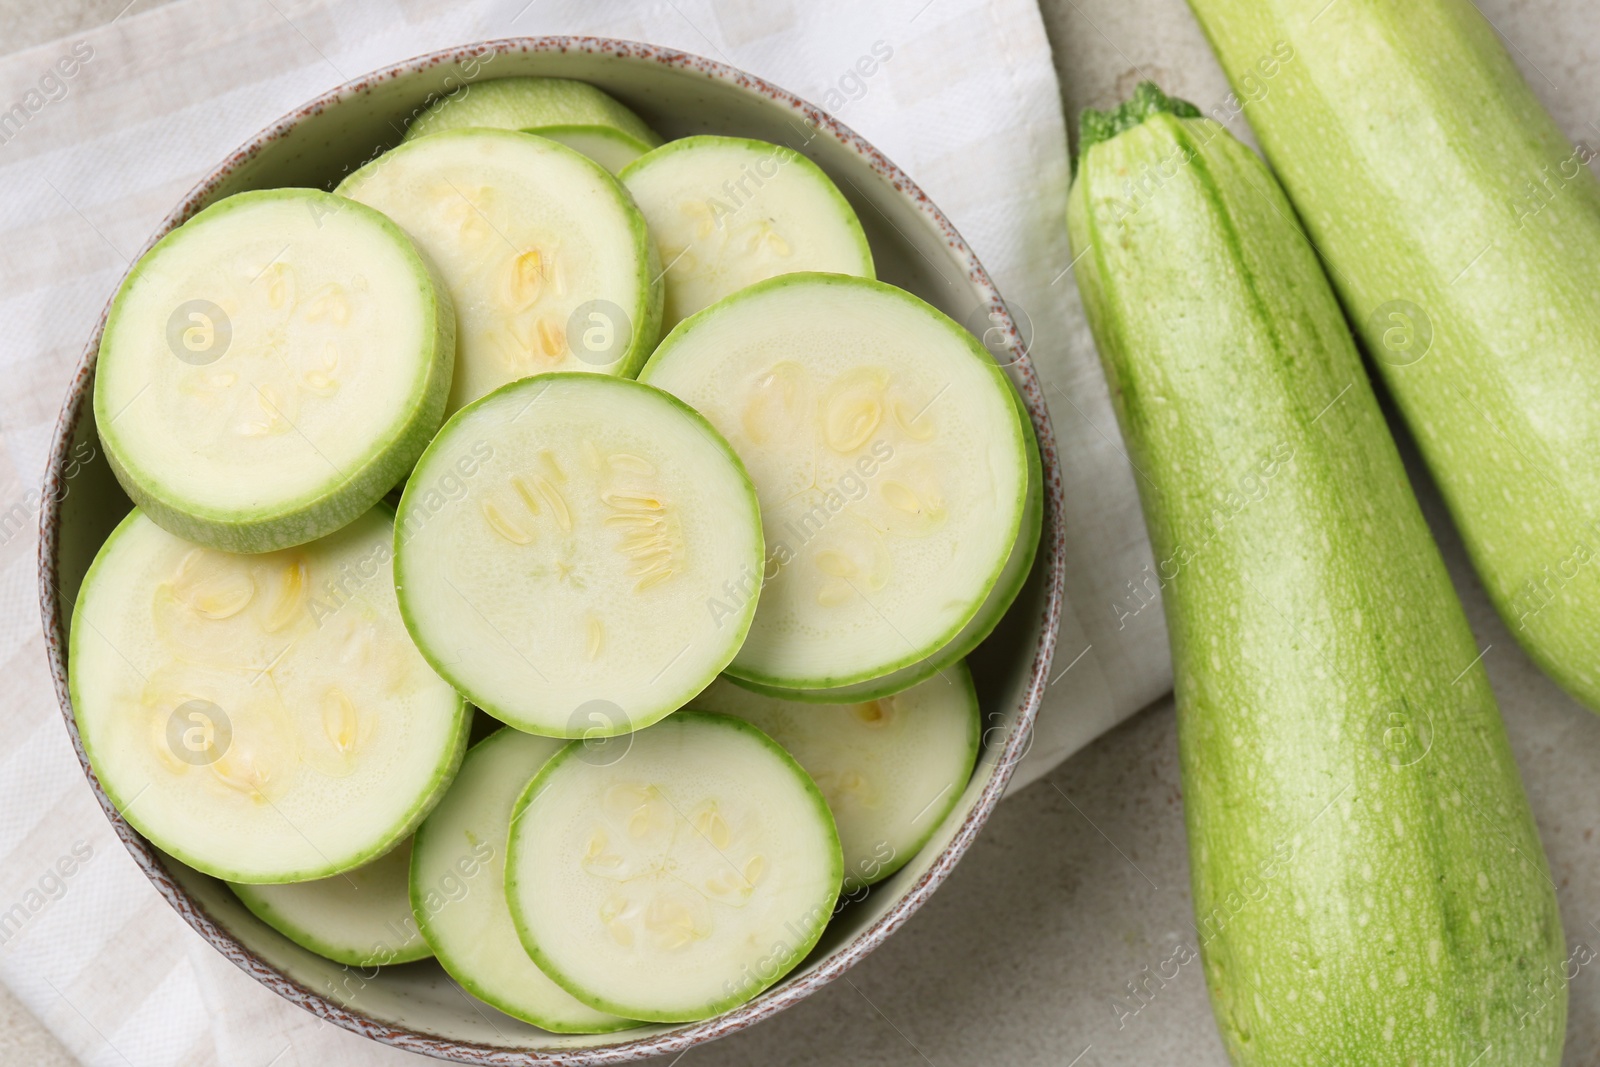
point(700, 517)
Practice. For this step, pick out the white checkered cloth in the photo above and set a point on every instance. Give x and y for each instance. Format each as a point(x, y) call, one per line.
point(125, 119)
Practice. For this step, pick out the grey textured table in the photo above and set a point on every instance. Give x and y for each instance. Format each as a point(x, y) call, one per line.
point(1079, 884)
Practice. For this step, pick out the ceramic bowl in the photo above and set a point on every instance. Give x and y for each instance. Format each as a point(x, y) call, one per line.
point(415, 1006)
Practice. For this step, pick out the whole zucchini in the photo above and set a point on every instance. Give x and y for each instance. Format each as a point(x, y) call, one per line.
point(1462, 231)
point(1369, 885)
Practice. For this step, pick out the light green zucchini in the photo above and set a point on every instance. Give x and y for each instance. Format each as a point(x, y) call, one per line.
point(1368, 881)
point(549, 258)
point(575, 113)
point(564, 587)
point(458, 890)
point(271, 367)
point(727, 212)
point(679, 880)
point(1018, 566)
point(890, 769)
point(360, 917)
point(891, 463)
point(263, 718)
point(1462, 230)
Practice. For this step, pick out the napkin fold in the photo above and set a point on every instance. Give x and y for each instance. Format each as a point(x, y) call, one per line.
point(113, 126)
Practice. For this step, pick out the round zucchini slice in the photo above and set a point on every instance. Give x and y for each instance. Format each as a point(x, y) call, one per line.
point(558, 547)
point(361, 918)
point(548, 259)
point(458, 888)
point(890, 769)
point(676, 881)
point(891, 463)
point(262, 718)
point(270, 368)
point(575, 113)
point(1018, 565)
point(727, 212)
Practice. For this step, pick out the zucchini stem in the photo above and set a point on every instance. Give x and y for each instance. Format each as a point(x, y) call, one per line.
point(1095, 126)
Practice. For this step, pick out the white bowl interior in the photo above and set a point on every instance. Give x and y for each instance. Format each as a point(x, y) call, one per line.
point(414, 1003)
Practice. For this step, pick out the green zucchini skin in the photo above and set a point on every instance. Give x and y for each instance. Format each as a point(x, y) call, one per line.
point(1369, 884)
point(1426, 171)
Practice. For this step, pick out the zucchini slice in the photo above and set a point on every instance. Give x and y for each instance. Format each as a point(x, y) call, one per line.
point(679, 880)
point(546, 255)
point(270, 368)
point(557, 548)
point(727, 212)
point(262, 718)
point(891, 463)
point(1018, 565)
point(575, 113)
point(361, 918)
point(890, 769)
point(458, 888)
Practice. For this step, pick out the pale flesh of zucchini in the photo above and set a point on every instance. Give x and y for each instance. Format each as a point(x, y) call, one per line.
point(727, 212)
point(271, 368)
point(361, 918)
point(995, 606)
point(558, 543)
point(458, 888)
point(678, 880)
point(890, 460)
point(611, 148)
point(891, 769)
point(262, 718)
point(548, 259)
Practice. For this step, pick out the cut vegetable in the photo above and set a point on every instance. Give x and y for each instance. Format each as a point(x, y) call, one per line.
point(1462, 228)
point(995, 606)
point(558, 545)
point(262, 718)
point(458, 888)
point(677, 881)
point(890, 769)
point(610, 148)
point(548, 259)
point(1368, 880)
point(575, 113)
point(890, 460)
point(270, 368)
point(361, 918)
point(727, 212)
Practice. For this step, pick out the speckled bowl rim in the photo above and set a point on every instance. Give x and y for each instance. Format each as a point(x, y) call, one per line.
point(846, 956)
